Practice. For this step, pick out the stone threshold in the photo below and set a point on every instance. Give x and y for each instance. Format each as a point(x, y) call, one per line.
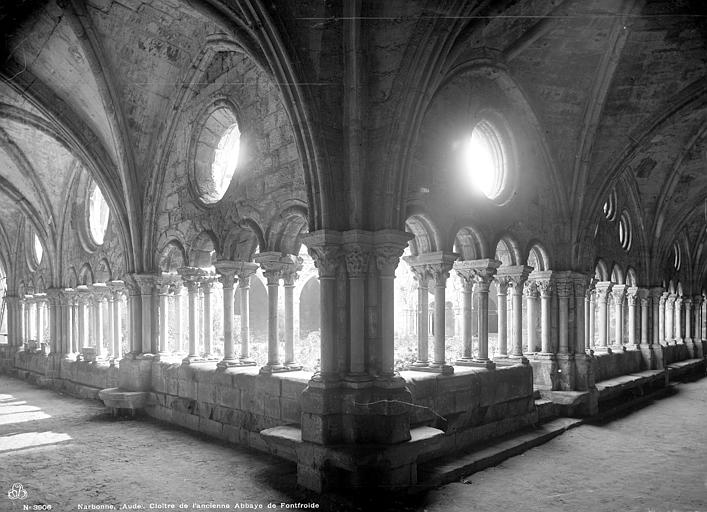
point(453, 468)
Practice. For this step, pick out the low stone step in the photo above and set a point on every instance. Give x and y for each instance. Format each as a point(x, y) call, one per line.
point(546, 410)
point(451, 469)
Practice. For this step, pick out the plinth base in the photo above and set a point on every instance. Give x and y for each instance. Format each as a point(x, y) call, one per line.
point(519, 359)
point(443, 369)
point(477, 363)
point(193, 359)
point(233, 363)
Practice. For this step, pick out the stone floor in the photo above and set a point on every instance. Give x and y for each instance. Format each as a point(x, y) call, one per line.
point(69, 453)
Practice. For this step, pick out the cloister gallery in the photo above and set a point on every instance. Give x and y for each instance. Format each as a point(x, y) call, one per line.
point(359, 235)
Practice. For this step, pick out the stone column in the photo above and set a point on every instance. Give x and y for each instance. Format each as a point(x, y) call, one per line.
point(502, 283)
point(357, 247)
point(703, 318)
point(135, 317)
point(678, 319)
point(603, 288)
point(116, 288)
point(245, 272)
point(644, 300)
point(697, 309)
point(589, 314)
point(14, 307)
point(324, 248)
point(191, 276)
point(53, 301)
point(670, 317)
point(164, 285)
point(97, 295)
point(687, 302)
point(697, 334)
point(180, 318)
point(273, 270)
point(631, 297)
point(422, 278)
point(67, 299)
point(146, 286)
point(389, 246)
point(517, 276)
point(563, 286)
point(38, 316)
point(206, 285)
point(618, 292)
point(580, 283)
point(227, 274)
point(482, 271)
point(662, 317)
point(439, 270)
point(289, 278)
point(531, 295)
point(545, 286)
point(655, 295)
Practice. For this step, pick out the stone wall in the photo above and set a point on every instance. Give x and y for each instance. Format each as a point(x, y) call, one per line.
point(77, 378)
point(608, 366)
point(675, 353)
point(233, 404)
point(473, 404)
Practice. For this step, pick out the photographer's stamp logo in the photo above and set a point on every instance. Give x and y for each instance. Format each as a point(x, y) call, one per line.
point(17, 492)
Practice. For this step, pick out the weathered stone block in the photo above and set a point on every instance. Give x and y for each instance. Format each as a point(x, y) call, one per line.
point(292, 389)
point(268, 385)
point(290, 410)
point(211, 427)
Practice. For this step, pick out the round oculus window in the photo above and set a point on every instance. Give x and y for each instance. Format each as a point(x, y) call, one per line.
point(217, 154)
point(484, 160)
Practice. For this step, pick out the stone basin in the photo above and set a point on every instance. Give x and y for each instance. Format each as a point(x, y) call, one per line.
point(117, 399)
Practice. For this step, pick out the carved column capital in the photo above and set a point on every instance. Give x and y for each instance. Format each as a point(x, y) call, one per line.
point(582, 284)
point(419, 273)
point(655, 292)
point(516, 275)
point(100, 292)
point(603, 290)
point(664, 298)
point(357, 248)
point(502, 284)
point(481, 271)
point(191, 277)
point(631, 295)
point(643, 296)
point(618, 292)
point(530, 290)
point(325, 249)
point(563, 283)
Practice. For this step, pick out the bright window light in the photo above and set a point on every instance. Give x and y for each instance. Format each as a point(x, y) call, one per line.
point(483, 160)
point(98, 213)
point(226, 159)
point(38, 249)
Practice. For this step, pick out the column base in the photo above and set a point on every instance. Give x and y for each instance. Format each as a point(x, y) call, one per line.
point(618, 348)
point(193, 359)
point(505, 360)
point(357, 381)
point(519, 359)
point(209, 357)
point(233, 363)
point(477, 363)
point(603, 350)
point(269, 369)
point(444, 369)
point(419, 364)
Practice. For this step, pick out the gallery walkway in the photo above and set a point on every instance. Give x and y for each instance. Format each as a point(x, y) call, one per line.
point(68, 452)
